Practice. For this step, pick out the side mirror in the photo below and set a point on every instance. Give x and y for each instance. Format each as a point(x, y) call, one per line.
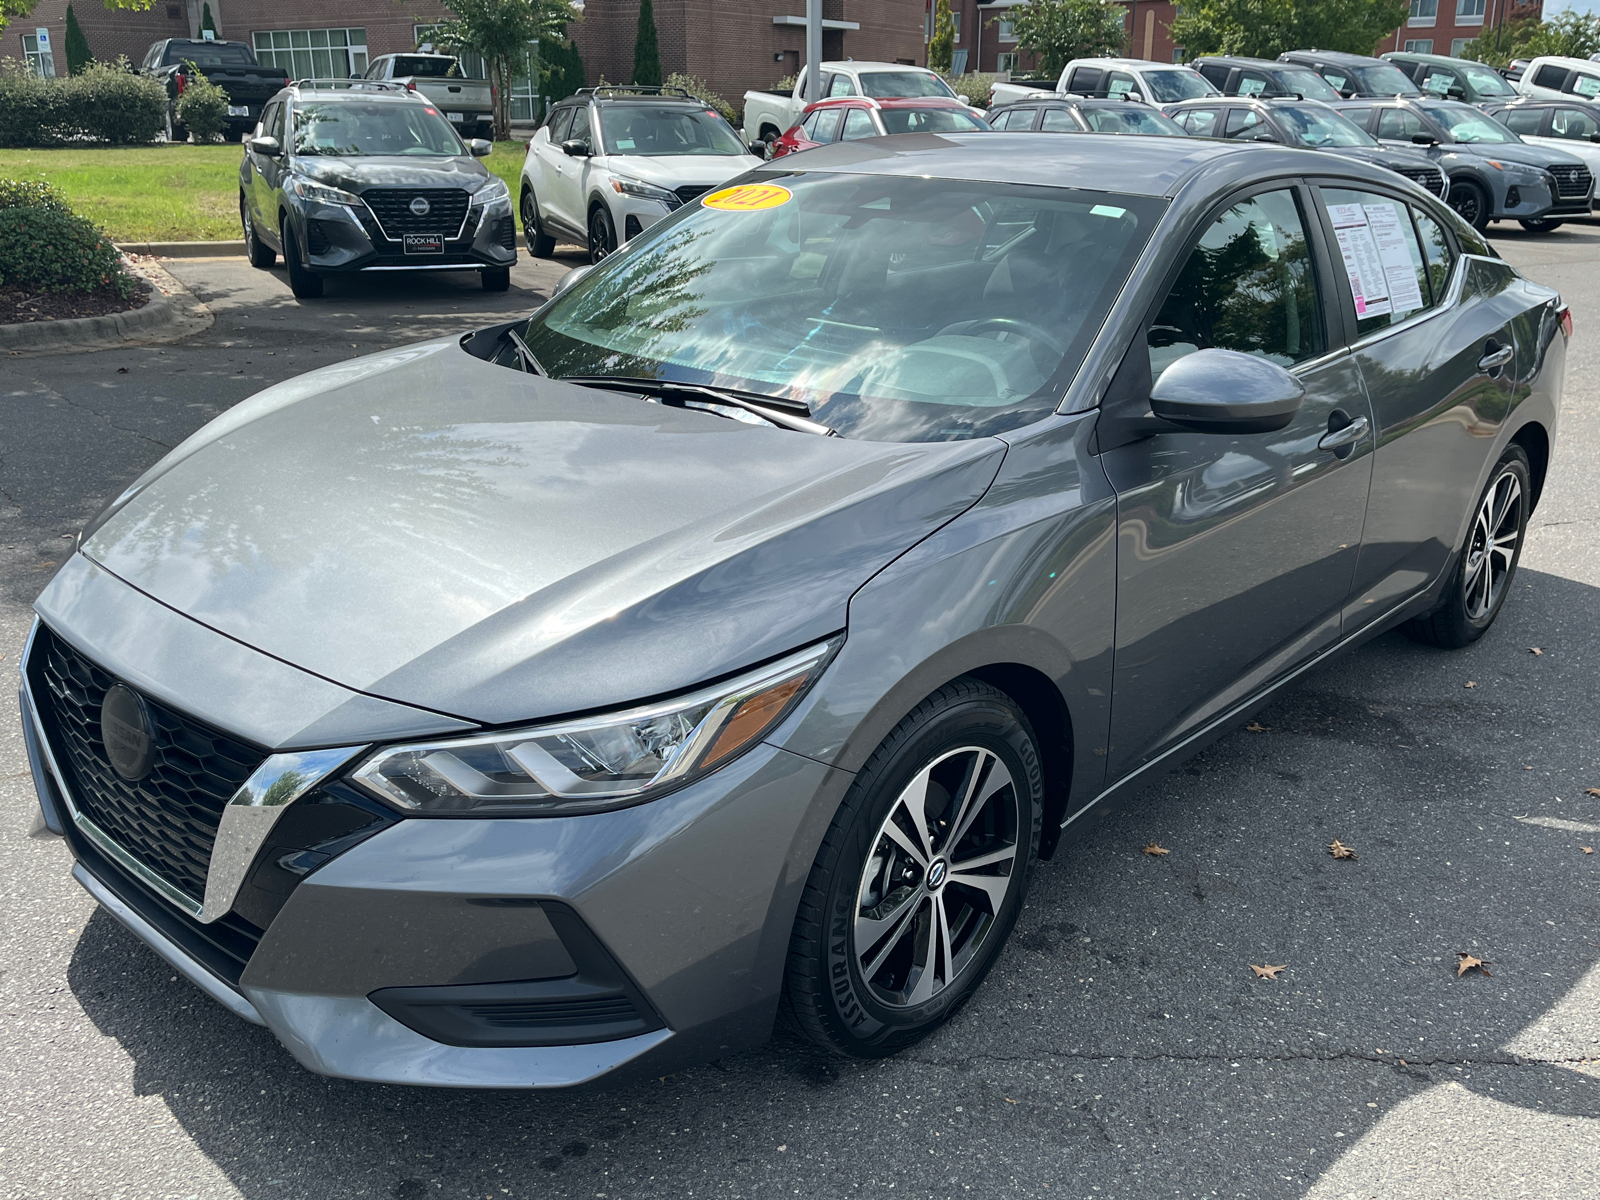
point(356, 75)
point(575, 147)
point(480, 147)
point(267, 147)
point(1594, 137)
point(570, 278)
point(1424, 139)
point(1224, 391)
point(759, 148)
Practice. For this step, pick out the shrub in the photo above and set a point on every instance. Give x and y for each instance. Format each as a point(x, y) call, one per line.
point(701, 91)
point(50, 251)
point(103, 102)
point(29, 193)
point(973, 88)
point(203, 107)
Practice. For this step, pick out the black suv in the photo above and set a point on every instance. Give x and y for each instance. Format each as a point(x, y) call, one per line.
point(232, 66)
point(1233, 75)
point(348, 175)
point(1354, 75)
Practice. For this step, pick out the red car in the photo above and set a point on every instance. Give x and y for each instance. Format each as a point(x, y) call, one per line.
point(846, 118)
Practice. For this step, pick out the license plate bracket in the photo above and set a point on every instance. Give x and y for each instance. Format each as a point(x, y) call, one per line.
point(238, 110)
point(423, 243)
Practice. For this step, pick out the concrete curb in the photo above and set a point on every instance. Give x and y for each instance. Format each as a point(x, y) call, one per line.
point(172, 312)
point(183, 249)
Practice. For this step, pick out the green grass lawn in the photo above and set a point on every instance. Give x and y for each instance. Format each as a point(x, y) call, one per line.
point(168, 193)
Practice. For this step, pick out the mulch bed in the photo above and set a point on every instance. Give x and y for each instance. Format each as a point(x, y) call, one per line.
point(17, 305)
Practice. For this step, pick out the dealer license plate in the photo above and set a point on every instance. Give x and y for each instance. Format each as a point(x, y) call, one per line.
point(424, 243)
point(238, 110)
point(456, 116)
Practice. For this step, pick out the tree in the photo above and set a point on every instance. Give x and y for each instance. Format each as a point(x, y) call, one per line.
point(561, 69)
point(941, 47)
point(206, 20)
point(1059, 31)
point(501, 31)
point(77, 47)
point(1569, 34)
point(1266, 28)
point(646, 49)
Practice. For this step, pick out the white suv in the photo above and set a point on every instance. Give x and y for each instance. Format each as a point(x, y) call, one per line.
point(609, 162)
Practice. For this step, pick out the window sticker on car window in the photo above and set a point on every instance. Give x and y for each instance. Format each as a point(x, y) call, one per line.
point(1252, 87)
point(1361, 261)
point(624, 143)
point(748, 197)
point(1390, 231)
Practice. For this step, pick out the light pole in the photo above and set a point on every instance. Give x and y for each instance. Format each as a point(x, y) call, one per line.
point(813, 50)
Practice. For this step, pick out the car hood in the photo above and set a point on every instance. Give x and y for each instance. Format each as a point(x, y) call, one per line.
point(430, 528)
point(358, 173)
point(1517, 152)
point(677, 170)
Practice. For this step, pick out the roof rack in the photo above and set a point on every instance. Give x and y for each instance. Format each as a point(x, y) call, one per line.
point(1086, 94)
point(377, 85)
point(632, 89)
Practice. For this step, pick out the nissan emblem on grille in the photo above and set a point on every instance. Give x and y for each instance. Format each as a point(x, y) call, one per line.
point(128, 734)
point(420, 207)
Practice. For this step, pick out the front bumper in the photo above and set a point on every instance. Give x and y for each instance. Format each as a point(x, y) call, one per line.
point(340, 239)
point(426, 925)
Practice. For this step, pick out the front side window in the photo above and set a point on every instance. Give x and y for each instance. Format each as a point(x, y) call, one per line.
point(897, 308)
point(1438, 81)
point(883, 84)
point(1487, 84)
point(667, 132)
point(1120, 85)
point(841, 86)
point(1399, 124)
point(1247, 125)
point(1571, 123)
point(1169, 87)
point(929, 120)
point(1381, 255)
point(1058, 120)
point(1318, 128)
point(1248, 286)
point(1469, 126)
point(1338, 80)
point(857, 125)
point(827, 126)
point(1201, 122)
point(1524, 122)
point(1016, 118)
point(1252, 83)
point(347, 129)
point(1585, 85)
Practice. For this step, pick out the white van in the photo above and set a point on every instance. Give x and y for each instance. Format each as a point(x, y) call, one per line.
point(1553, 78)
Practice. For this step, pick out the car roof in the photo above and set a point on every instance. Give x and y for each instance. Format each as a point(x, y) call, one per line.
point(887, 102)
point(1443, 60)
point(1146, 166)
point(1243, 60)
point(1566, 61)
point(325, 89)
point(849, 64)
point(1520, 101)
point(1344, 58)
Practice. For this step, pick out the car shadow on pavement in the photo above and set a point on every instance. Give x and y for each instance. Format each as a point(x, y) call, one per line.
point(1122, 1038)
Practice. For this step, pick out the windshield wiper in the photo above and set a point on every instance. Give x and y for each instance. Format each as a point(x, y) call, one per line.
point(787, 414)
point(530, 364)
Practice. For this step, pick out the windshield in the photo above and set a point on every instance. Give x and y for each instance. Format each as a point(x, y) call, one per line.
point(209, 54)
point(1130, 120)
point(1469, 125)
point(1316, 128)
point(884, 84)
point(929, 120)
point(348, 128)
point(666, 131)
point(1169, 87)
point(1487, 83)
point(899, 309)
point(1385, 80)
point(426, 66)
point(1307, 84)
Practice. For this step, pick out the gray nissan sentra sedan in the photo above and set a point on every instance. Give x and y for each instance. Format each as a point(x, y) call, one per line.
point(559, 701)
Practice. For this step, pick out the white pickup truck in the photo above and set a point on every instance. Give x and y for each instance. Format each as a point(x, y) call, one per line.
point(1153, 82)
point(767, 115)
point(465, 103)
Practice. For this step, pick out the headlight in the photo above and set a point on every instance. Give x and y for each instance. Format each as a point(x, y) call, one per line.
point(596, 763)
point(492, 191)
point(645, 191)
point(318, 194)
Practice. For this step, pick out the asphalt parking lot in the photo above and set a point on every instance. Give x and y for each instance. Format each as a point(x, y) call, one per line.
point(1122, 1046)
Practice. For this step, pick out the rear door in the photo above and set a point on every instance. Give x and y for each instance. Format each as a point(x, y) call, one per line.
point(1436, 348)
point(1235, 552)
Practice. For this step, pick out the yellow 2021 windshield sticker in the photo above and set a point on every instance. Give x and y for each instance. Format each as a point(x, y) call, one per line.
point(748, 197)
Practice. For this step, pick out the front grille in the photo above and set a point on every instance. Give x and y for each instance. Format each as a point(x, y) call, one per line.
point(1430, 178)
point(447, 210)
point(690, 191)
point(1572, 182)
point(168, 820)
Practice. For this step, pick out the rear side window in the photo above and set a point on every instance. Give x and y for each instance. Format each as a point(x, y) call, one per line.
point(1381, 255)
point(1058, 120)
point(1201, 122)
point(1571, 123)
point(1550, 76)
point(1085, 79)
point(1247, 125)
point(1436, 252)
point(857, 125)
point(1522, 120)
point(1248, 286)
point(1398, 125)
point(827, 126)
point(1016, 118)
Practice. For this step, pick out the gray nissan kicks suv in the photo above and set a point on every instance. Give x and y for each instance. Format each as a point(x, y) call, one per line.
point(555, 701)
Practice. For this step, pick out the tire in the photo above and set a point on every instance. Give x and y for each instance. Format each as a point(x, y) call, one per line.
point(1541, 226)
point(877, 1007)
point(540, 244)
point(1476, 592)
point(496, 279)
point(262, 256)
point(303, 282)
point(1471, 203)
point(602, 234)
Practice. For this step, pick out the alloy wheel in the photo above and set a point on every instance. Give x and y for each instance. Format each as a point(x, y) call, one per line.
point(599, 237)
point(937, 876)
point(1468, 204)
point(1492, 548)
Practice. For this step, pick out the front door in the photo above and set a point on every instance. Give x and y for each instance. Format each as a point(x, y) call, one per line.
point(268, 174)
point(1235, 553)
point(554, 162)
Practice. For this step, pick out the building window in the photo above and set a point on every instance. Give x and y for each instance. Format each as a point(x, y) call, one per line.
point(1457, 45)
point(1419, 46)
point(1178, 52)
point(39, 59)
point(1424, 12)
point(955, 26)
point(313, 53)
point(1007, 63)
point(1007, 28)
point(1469, 12)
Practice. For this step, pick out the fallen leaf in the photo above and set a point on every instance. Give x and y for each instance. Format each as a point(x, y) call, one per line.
point(1267, 972)
point(1257, 727)
point(1339, 850)
point(1156, 851)
point(1009, 1100)
point(1471, 683)
point(122, 370)
point(1468, 962)
point(1591, 791)
point(1535, 650)
point(1585, 849)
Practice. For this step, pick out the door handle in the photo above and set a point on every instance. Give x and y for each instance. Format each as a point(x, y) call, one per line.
point(1494, 355)
point(1349, 435)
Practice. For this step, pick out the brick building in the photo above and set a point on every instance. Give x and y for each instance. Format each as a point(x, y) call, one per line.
point(1444, 26)
point(734, 45)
